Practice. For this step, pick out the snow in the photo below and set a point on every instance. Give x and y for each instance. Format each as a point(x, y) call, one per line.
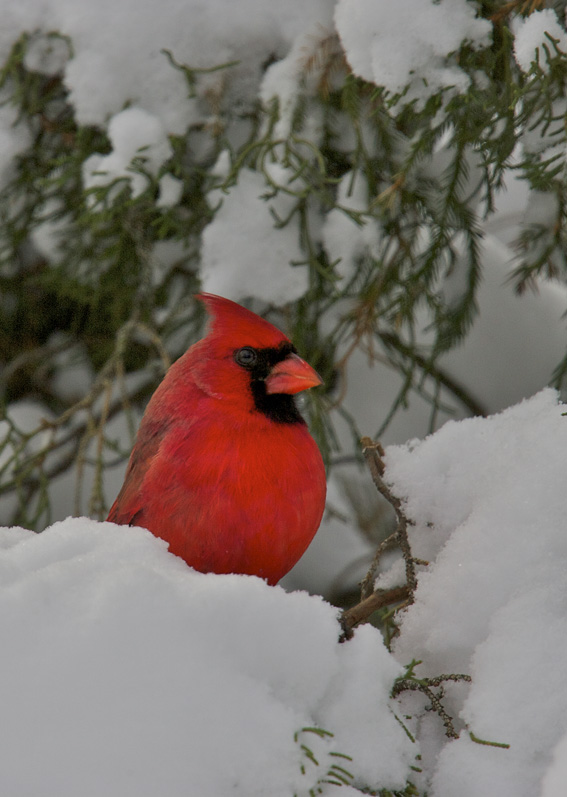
point(343, 237)
point(118, 49)
point(243, 253)
point(532, 42)
point(127, 673)
point(395, 44)
point(488, 500)
point(287, 80)
point(133, 133)
point(14, 140)
point(46, 53)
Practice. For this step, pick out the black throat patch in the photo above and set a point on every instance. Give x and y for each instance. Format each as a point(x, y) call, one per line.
point(278, 407)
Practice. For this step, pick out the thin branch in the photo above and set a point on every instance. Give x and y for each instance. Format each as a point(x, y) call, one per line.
point(374, 599)
point(373, 453)
point(360, 613)
point(79, 436)
point(367, 584)
point(425, 686)
point(437, 373)
point(75, 436)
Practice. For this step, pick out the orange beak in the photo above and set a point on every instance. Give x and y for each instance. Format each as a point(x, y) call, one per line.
point(292, 375)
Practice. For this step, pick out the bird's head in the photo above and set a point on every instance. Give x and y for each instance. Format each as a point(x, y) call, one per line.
point(246, 359)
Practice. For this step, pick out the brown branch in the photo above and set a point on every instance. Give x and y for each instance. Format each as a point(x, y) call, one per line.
point(373, 453)
point(360, 613)
point(371, 599)
point(425, 686)
point(367, 583)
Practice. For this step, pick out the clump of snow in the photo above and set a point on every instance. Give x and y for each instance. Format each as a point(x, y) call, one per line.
point(293, 77)
point(170, 190)
point(244, 253)
point(395, 44)
point(127, 673)
point(134, 133)
point(488, 500)
point(47, 53)
point(532, 43)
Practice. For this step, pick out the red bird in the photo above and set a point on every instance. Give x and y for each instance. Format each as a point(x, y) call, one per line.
point(224, 468)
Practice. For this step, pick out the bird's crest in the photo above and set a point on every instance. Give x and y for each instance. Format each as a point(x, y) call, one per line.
point(230, 319)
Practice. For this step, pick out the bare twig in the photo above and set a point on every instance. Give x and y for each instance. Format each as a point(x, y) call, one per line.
point(426, 687)
point(373, 453)
point(371, 599)
point(367, 583)
point(352, 617)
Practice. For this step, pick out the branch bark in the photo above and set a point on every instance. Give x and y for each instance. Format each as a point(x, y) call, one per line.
point(371, 599)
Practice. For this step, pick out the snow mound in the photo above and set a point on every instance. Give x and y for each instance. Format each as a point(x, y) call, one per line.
point(488, 499)
point(127, 673)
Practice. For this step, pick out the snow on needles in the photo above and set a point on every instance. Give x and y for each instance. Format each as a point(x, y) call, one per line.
point(532, 42)
point(127, 674)
point(133, 133)
point(243, 253)
point(409, 41)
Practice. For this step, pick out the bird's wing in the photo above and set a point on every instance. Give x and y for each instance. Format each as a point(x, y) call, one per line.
point(128, 509)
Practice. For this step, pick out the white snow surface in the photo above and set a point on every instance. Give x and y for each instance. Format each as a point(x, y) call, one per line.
point(409, 41)
point(243, 253)
point(488, 500)
point(532, 42)
point(127, 673)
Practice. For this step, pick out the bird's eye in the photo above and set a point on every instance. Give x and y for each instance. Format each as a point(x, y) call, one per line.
point(246, 357)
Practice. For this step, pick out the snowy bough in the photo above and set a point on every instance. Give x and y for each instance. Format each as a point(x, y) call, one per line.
point(386, 182)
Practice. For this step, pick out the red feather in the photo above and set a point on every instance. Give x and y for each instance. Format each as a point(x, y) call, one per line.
point(231, 487)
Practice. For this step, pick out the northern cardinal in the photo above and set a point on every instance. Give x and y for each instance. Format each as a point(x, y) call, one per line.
point(224, 468)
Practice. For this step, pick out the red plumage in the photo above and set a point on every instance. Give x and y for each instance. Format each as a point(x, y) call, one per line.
point(224, 468)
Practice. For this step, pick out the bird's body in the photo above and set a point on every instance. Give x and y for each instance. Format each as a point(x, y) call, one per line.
point(224, 467)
